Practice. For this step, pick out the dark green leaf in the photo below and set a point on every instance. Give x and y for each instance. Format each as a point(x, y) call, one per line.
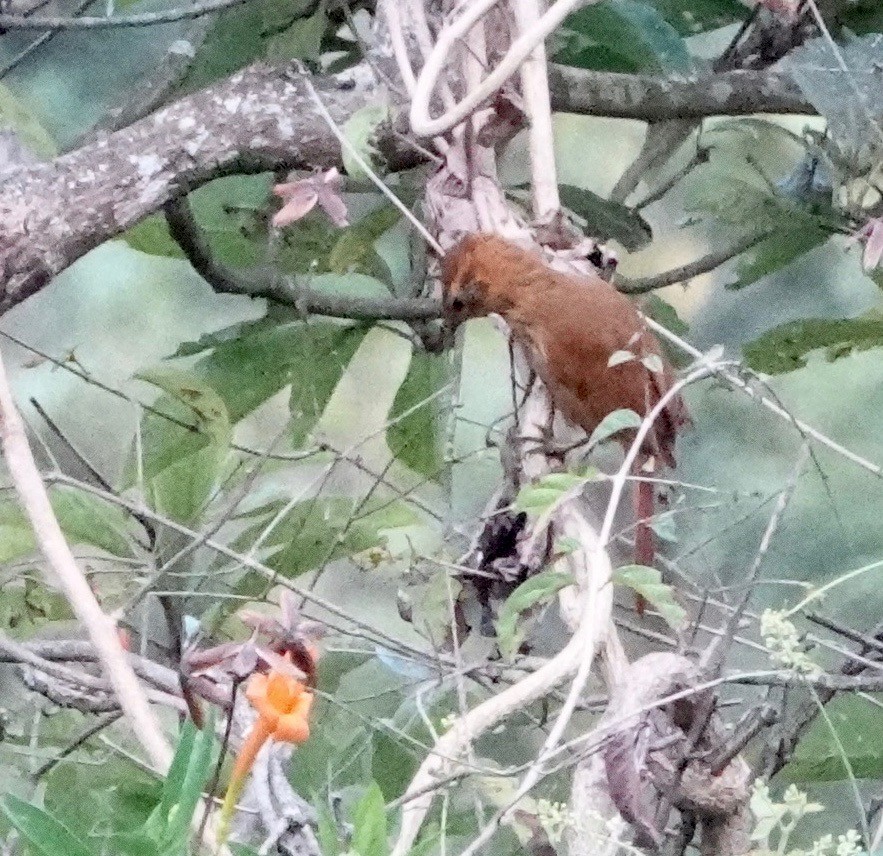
point(152, 236)
point(85, 519)
point(606, 219)
point(354, 249)
point(416, 439)
point(779, 250)
point(324, 353)
point(231, 213)
point(647, 582)
point(818, 758)
point(42, 831)
point(189, 788)
point(302, 40)
point(622, 35)
point(784, 348)
point(539, 588)
point(369, 824)
point(250, 363)
point(862, 17)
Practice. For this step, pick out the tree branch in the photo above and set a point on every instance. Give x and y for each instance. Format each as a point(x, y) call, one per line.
point(50, 539)
point(266, 282)
point(685, 272)
point(53, 214)
point(656, 99)
point(260, 119)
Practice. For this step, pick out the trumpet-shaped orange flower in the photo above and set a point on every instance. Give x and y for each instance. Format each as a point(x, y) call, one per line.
point(283, 706)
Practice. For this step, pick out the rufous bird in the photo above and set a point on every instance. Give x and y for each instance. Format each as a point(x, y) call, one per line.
point(570, 326)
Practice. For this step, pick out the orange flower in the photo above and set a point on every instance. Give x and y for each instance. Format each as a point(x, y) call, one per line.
point(283, 706)
point(283, 703)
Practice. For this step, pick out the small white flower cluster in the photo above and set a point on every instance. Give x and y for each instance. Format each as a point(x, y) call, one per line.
point(847, 845)
point(783, 641)
point(777, 821)
point(556, 818)
point(447, 721)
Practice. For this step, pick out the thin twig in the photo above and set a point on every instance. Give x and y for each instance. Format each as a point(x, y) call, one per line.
point(707, 263)
point(51, 541)
point(146, 19)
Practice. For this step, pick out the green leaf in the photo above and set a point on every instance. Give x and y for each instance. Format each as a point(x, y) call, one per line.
point(205, 407)
point(369, 824)
point(613, 423)
point(121, 796)
point(817, 757)
point(174, 782)
point(85, 519)
point(237, 38)
point(647, 582)
point(734, 200)
point(320, 530)
point(181, 465)
point(540, 588)
point(249, 363)
point(302, 40)
point(862, 17)
point(778, 251)
point(325, 352)
point(785, 348)
point(539, 497)
point(354, 249)
point(607, 219)
point(622, 35)
point(188, 789)
point(360, 130)
point(230, 212)
point(152, 236)
point(42, 831)
point(16, 117)
point(416, 439)
point(16, 535)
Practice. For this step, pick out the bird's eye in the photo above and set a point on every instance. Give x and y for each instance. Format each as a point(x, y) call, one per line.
point(458, 304)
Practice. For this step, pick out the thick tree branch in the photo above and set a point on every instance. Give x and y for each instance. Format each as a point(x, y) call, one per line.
point(261, 118)
point(53, 214)
point(656, 99)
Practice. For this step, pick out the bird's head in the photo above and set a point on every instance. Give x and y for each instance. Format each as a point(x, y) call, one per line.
point(479, 276)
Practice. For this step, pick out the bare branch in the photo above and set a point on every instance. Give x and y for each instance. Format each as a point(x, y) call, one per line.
point(267, 283)
point(49, 537)
point(103, 22)
point(656, 99)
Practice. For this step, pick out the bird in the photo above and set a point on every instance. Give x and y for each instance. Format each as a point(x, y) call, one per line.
point(570, 326)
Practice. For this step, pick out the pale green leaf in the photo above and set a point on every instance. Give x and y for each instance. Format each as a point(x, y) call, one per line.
point(613, 423)
point(647, 582)
point(369, 824)
point(539, 588)
point(360, 130)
